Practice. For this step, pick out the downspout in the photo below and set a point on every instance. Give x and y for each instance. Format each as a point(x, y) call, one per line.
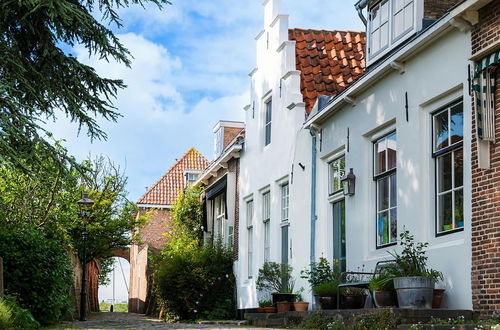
point(360, 5)
point(312, 257)
point(313, 131)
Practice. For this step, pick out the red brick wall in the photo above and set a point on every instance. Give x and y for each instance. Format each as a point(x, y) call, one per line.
point(152, 233)
point(486, 189)
point(229, 134)
point(437, 8)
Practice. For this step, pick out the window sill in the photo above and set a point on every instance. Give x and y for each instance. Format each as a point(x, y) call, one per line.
point(448, 232)
point(380, 247)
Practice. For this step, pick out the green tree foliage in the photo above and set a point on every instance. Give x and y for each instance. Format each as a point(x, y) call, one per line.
point(37, 271)
point(193, 280)
point(39, 80)
point(197, 283)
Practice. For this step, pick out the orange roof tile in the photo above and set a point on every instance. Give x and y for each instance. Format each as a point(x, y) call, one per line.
point(167, 188)
point(329, 61)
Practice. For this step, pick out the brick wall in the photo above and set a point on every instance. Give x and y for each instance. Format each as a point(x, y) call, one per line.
point(229, 134)
point(152, 233)
point(486, 189)
point(437, 8)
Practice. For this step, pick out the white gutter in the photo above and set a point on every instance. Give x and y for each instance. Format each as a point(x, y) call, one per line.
point(396, 60)
point(221, 162)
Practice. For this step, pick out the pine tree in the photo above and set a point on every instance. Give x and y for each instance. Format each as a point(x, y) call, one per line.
point(39, 80)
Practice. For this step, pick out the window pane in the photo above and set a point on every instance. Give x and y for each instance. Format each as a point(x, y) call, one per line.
point(445, 211)
point(457, 123)
point(383, 228)
point(384, 12)
point(383, 194)
point(408, 17)
point(459, 167)
point(398, 5)
point(398, 24)
point(391, 151)
point(394, 225)
point(375, 18)
point(444, 172)
point(380, 158)
point(394, 193)
point(459, 208)
point(384, 35)
point(268, 134)
point(375, 42)
point(441, 130)
point(269, 108)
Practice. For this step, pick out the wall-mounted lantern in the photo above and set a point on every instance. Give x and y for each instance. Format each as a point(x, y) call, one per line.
point(349, 183)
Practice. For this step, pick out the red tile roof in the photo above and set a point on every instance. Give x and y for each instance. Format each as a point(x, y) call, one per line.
point(166, 189)
point(329, 61)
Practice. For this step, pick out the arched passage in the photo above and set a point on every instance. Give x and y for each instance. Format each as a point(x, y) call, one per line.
point(116, 290)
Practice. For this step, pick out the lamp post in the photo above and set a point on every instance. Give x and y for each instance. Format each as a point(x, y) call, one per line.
point(85, 205)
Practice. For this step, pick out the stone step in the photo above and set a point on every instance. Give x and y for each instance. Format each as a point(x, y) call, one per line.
point(447, 327)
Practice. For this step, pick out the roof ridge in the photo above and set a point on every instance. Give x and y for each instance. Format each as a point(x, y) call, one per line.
point(171, 168)
point(323, 30)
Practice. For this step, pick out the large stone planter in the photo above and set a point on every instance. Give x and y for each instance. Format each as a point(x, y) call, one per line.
point(414, 292)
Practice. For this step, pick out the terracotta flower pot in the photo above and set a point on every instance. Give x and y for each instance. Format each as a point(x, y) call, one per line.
point(284, 306)
point(261, 309)
point(300, 306)
point(437, 298)
point(270, 309)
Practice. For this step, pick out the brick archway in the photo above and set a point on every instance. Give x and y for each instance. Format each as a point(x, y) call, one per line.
point(122, 253)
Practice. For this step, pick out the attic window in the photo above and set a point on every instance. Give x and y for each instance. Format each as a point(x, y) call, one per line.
point(218, 142)
point(389, 22)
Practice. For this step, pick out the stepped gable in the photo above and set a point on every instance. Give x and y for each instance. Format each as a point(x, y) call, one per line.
point(166, 189)
point(329, 61)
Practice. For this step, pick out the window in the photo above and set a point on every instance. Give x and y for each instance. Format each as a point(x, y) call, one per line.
point(218, 142)
point(191, 178)
point(220, 215)
point(389, 21)
point(336, 172)
point(267, 126)
point(379, 23)
point(403, 17)
point(250, 238)
point(449, 156)
point(266, 218)
point(386, 187)
point(285, 202)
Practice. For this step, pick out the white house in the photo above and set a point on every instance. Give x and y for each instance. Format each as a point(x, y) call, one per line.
point(293, 67)
point(405, 129)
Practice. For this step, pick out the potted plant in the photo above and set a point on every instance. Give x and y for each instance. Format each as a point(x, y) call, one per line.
point(277, 278)
point(382, 288)
point(266, 306)
point(437, 294)
point(327, 294)
point(324, 279)
point(300, 305)
point(353, 298)
point(414, 283)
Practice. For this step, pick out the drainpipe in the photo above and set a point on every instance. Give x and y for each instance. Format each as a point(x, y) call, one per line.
point(360, 5)
point(313, 130)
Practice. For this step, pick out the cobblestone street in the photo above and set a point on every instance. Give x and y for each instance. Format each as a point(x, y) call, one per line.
point(135, 321)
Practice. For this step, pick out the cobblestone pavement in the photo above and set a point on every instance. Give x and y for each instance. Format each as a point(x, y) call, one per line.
point(107, 320)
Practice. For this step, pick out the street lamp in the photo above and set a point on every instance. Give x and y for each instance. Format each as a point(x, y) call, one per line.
point(85, 206)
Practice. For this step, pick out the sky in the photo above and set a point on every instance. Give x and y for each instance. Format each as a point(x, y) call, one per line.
point(189, 70)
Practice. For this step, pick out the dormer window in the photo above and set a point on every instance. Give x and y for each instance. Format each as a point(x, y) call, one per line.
point(389, 22)
point(218, 142)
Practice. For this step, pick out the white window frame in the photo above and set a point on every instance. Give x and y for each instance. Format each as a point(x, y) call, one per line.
point(451, 149)
point(220, 218)
point(249, 219)
point(387, 174)
point(218, 143)
point(285, 202)
point(392, 40)
point(268, 116)
point(266, 219)
point(335, 171)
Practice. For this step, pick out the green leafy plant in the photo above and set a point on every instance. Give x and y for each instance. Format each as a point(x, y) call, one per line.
point(6, 319)
point(412, 261)
point(322, 272)
point(265, 303)
point(326, 288)
point(275, 278)
point(21, 318)
point(321, 321)
point(381, 282)
point(298, 295)
point(384, 320)
point(38, 272)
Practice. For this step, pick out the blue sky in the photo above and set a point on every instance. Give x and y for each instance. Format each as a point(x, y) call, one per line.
point(190, 69)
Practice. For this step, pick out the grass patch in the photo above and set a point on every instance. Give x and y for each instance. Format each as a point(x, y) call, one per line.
point(105, 307)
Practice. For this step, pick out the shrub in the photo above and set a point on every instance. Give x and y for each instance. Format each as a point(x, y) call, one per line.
point(322, 272)
point(37, 271)
point(318, 320)
point(275, 278)
point(20, 318)
point(196, 283)
point(6, 319)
